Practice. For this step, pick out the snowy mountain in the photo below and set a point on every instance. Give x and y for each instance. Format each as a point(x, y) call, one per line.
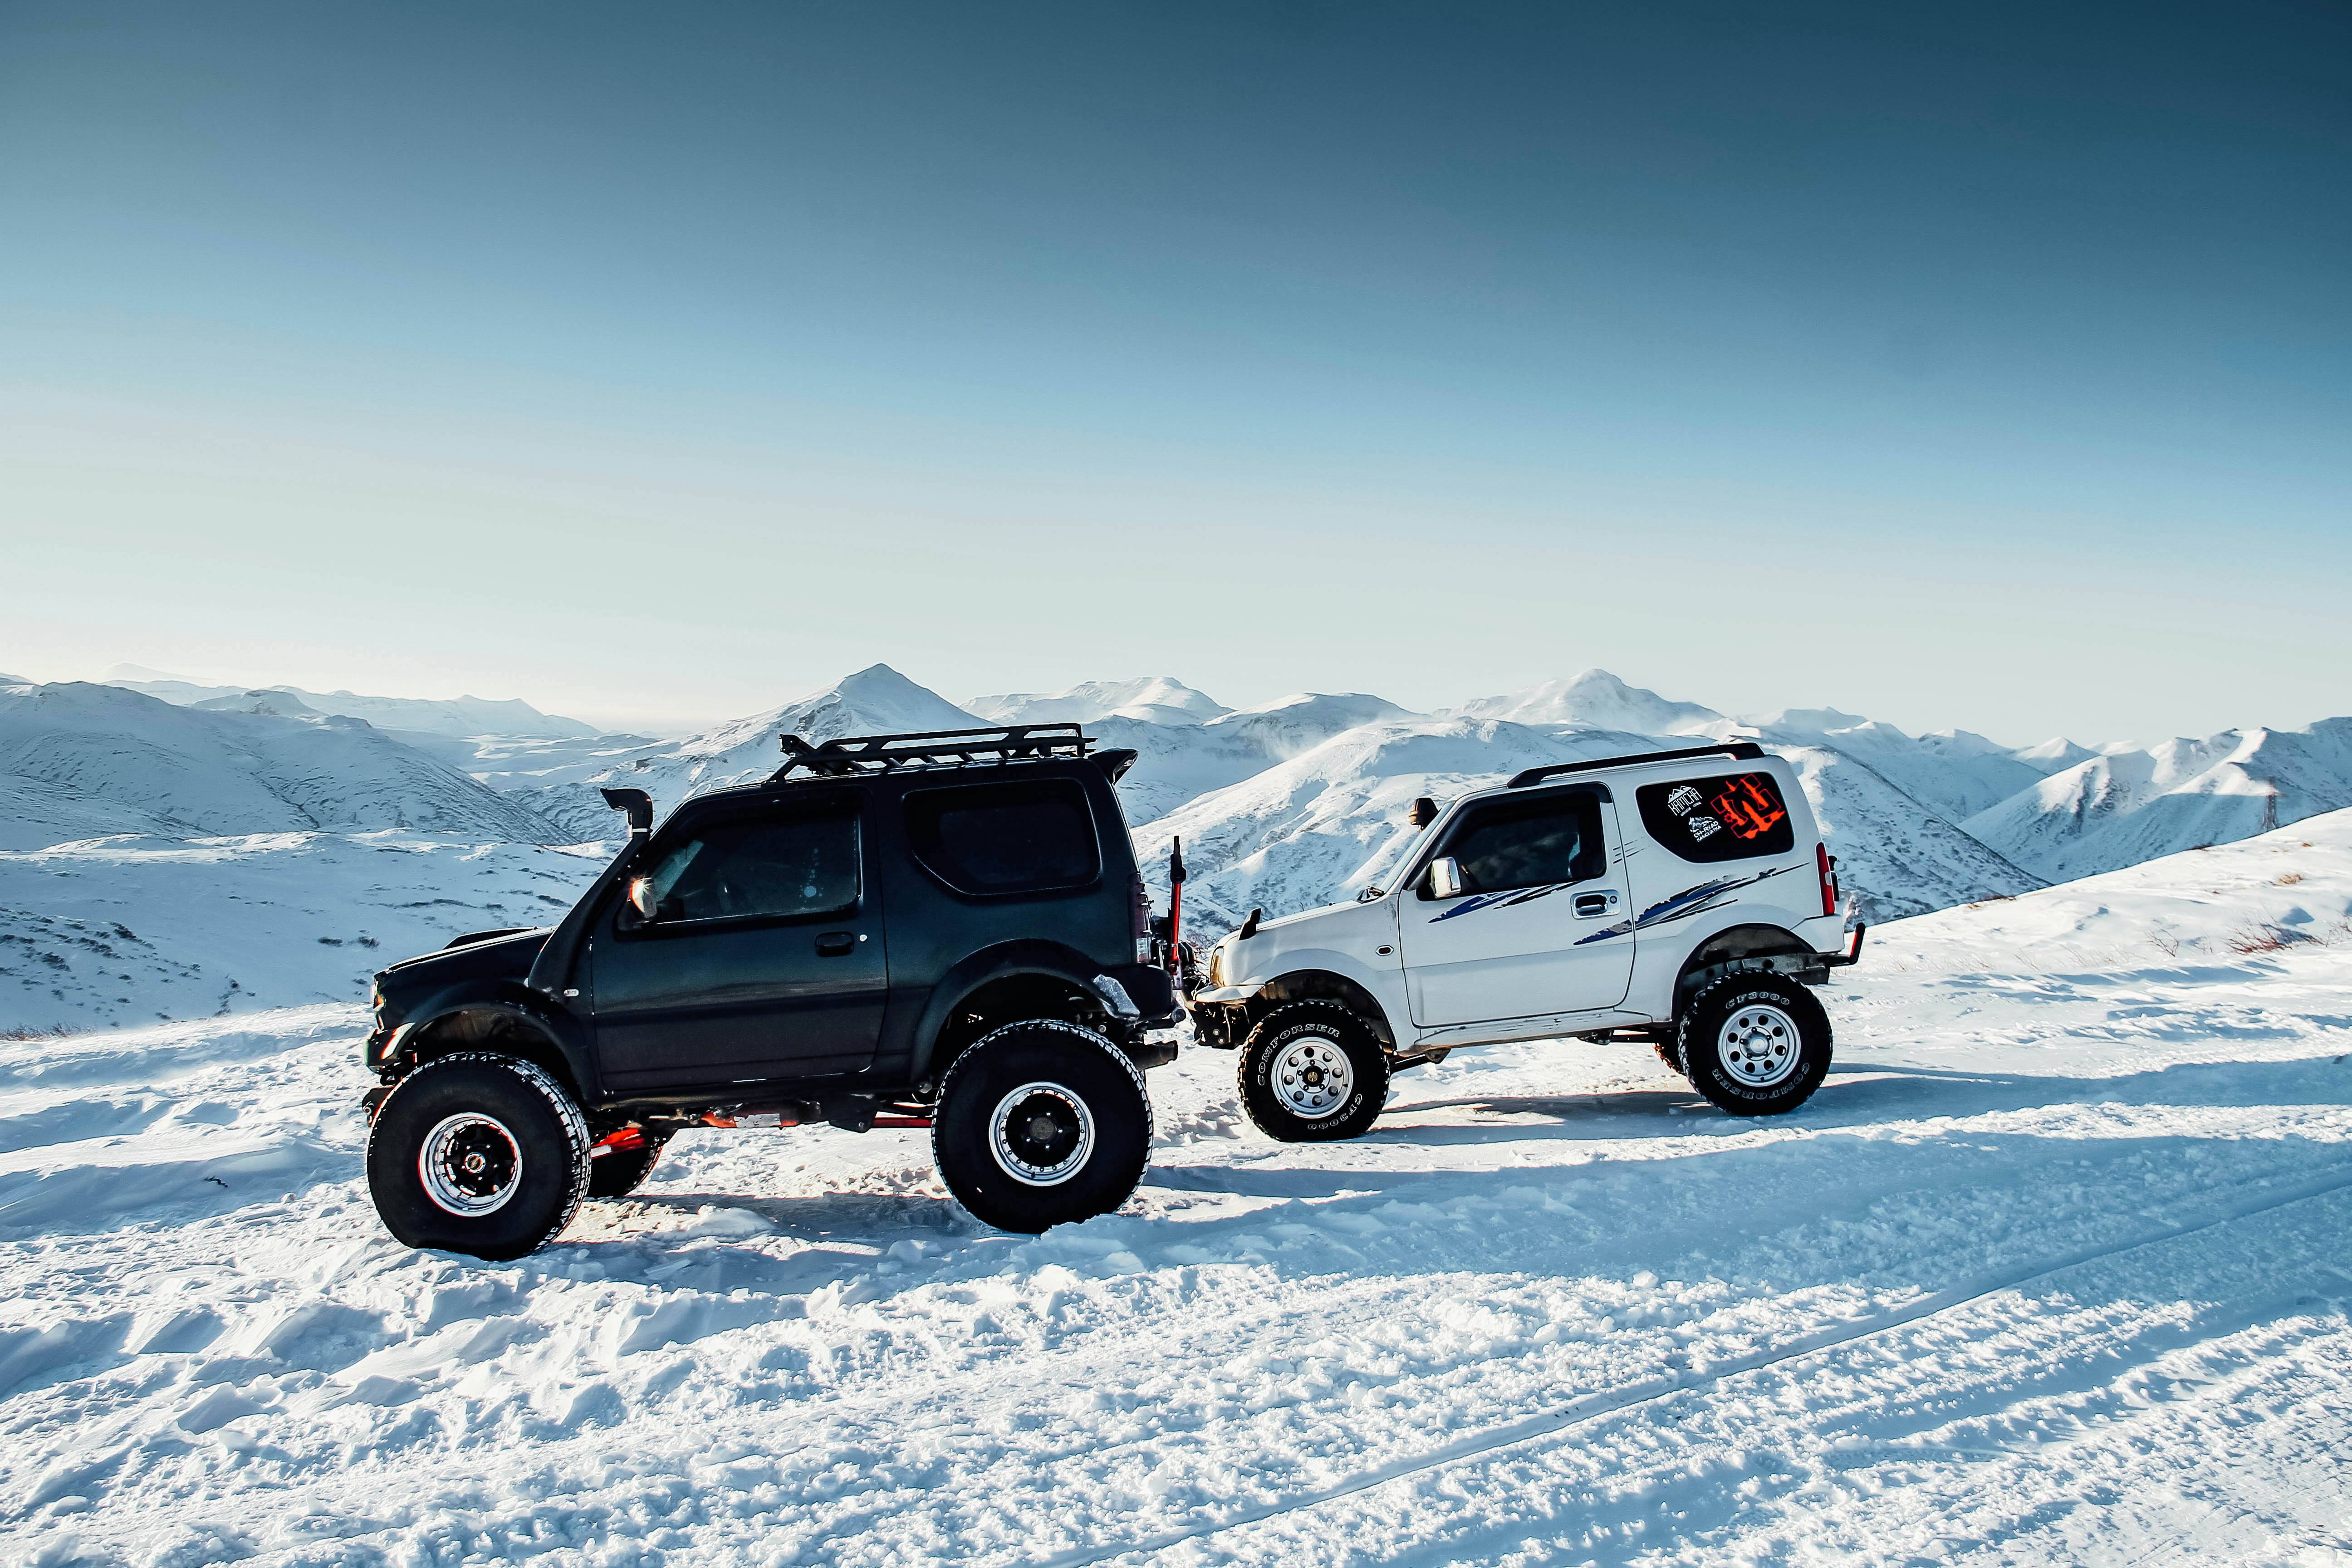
point(1317, 828)
point(77, 761)
point(1897, 855)
point(2124, 807)
point(1174, 763)
point(1595, 697)
point(1956, 772)
point(1151, 699)
point(875, 700)
point(1282, 806)
point(452, 716)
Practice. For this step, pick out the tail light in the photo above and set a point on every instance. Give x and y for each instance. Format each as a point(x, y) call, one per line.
point(1142, 920)
point(1829, 879)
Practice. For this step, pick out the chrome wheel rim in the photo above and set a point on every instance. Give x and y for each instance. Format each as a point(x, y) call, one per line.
point(1041, 1134)
point(1759, 1047)
point(1312, 1078)
point(470, 1164)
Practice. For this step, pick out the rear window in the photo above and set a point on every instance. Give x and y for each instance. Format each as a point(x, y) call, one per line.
point(1731, 818)
point(1026, 837)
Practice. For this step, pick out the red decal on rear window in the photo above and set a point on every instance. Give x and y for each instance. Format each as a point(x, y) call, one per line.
point(1749, 805)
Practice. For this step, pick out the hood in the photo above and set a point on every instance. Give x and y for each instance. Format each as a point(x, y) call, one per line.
point(496, 955)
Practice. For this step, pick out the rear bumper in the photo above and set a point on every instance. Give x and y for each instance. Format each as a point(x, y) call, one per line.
point(1152, 989)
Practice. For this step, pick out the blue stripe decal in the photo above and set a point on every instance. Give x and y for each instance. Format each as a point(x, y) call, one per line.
point(1690, 901)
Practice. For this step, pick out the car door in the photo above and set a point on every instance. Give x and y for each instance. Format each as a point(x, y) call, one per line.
point(1540, 875)
point(766, 958)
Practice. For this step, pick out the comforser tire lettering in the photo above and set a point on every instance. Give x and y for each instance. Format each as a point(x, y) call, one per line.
point(1277, 1045)
point(1699, 1043)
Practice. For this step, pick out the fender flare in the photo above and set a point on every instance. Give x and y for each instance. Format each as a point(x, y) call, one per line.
point(1752, 945)
point(1004, 961)
point(513, 999)
point(1354, 975)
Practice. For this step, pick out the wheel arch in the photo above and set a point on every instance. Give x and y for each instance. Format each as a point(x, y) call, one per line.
point(1326, 985)
point(510, 1021)
point(998, 985)
point(1742, 947)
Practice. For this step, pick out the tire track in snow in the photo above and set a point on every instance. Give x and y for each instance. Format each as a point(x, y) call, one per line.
point(1596, 1407)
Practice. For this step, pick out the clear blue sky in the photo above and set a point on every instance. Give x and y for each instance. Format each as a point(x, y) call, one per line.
point(1978, 366)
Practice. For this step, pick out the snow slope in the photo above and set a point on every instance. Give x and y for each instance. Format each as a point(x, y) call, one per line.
point(1151, 699)
point(2124, 807)
point(2049, 1273)
point(127, 929)
point(87, 760)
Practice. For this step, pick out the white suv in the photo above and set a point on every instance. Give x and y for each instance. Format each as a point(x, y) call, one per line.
point(1684, 897)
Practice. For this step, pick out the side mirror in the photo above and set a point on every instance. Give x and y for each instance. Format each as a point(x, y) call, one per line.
point(642, 899)
point(1444, 877)
point(1423, 812)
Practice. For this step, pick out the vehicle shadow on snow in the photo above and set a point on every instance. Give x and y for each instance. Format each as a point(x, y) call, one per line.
point(823, 1216)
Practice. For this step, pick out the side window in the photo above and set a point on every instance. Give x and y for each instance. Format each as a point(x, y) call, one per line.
point(1734, 817)
point(1528, 844)
point(774, 866)
point(1015, 837)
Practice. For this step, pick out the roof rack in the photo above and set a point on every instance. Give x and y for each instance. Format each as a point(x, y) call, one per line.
point(1743, 751)
point(930, 748)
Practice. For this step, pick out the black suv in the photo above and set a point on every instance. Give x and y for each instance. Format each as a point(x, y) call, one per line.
point(943, 930)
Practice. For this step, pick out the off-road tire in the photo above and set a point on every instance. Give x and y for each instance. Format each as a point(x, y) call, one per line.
point(470, 1105)
point(1041, 1123)
point(1776, 1011)
point(1271, 1078)
point(619, 1172)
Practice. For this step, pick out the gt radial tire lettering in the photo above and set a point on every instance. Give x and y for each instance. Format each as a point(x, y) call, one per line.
point(550, 1133)
point(1074, 1062)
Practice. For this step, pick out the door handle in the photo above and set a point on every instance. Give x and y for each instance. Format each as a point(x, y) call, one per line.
point(1589, 905)
point(834, 943)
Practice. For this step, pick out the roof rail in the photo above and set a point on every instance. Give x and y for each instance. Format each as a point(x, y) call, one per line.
point(930, 748)
point(1744, 751)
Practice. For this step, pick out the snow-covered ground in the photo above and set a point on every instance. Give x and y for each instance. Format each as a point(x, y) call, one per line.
point(2050, 1270)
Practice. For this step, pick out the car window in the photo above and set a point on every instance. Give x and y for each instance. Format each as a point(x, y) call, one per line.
point(767, 866)
point(1732, 817)
point(1014, 837)
point(1528, 844)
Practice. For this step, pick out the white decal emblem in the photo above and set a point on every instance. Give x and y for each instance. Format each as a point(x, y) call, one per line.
point(1704, 827)
point(1682, 800)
